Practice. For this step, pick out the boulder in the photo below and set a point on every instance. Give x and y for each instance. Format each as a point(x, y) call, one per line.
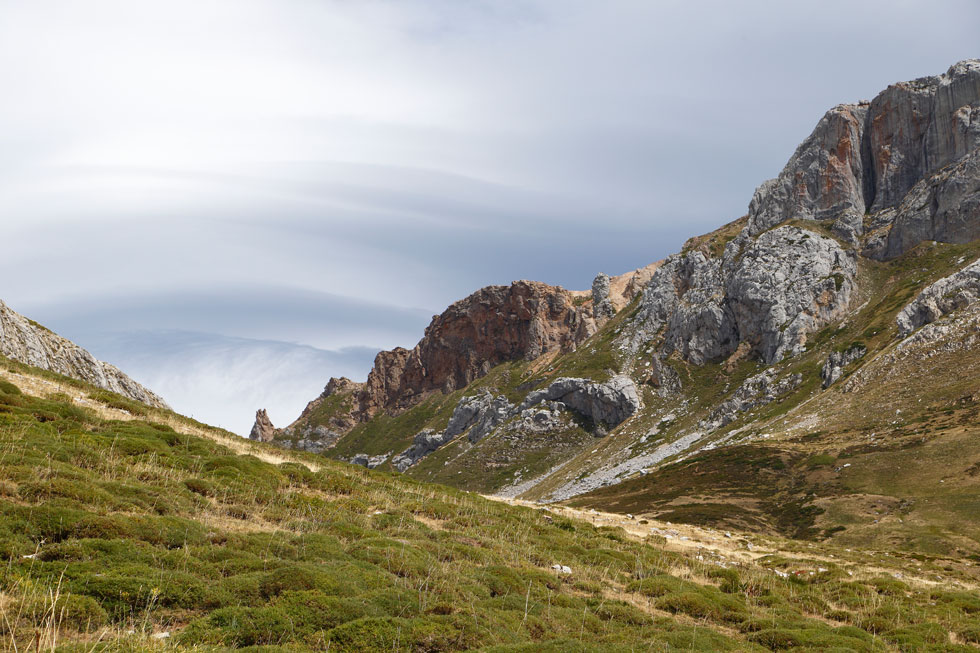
point(364, 460)
point(608, 404)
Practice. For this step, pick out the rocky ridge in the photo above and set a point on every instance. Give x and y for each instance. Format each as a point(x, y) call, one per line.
point(496, 324)
point(606, 405)
point(867, 157)
point(766, 305)
point(26, 341)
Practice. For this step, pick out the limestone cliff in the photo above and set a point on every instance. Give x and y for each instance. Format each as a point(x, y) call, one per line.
point(28, 342)
point(865, 158)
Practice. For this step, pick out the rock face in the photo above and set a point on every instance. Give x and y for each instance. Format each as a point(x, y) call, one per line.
point(423, 444)
point(262, 430)
point(943, 207)
point(942, 297)
point(824, 177)
point(602, 307)
point(28, 342)
point(494, 325)
point(609, 403)
point(770, 292)
point(833, 369)
point(481, 414)
point(866, 157)
point(759, 390)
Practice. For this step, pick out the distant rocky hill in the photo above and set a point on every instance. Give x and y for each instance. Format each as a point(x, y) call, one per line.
point(754, 349)
point(28, 342)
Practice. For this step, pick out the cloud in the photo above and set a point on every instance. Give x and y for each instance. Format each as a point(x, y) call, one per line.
point(224, 380)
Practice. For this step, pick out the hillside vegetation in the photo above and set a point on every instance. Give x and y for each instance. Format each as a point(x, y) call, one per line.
point(132, 528)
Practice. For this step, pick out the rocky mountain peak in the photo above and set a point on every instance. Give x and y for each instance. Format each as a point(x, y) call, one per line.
point(866, 157)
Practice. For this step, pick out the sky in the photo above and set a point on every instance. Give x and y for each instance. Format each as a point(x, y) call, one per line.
point(234, 200)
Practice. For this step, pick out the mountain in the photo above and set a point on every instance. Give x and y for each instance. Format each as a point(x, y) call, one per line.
point(24, 340)
point(806, 370)
point(126, 527)
point(804, 377)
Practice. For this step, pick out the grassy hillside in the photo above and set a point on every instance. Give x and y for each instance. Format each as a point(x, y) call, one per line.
point(886, 457)
point(126, 528)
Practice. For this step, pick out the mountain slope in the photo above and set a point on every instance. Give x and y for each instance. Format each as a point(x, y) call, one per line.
point(152, 532)
point(27, 341)
point(734, 370)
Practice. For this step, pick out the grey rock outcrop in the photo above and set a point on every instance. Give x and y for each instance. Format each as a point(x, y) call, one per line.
point(480, 414)
point(770, 292)
point(602, 306)
point(546, 416)
point(424, 443)
point(833, 368)
point(824, 177)
point(759, 390)
point(867, 157)
point(787, 285)
point(364, 460)
point(942, 297)
point(262, 430)
point(28, 342)
point(609, 403)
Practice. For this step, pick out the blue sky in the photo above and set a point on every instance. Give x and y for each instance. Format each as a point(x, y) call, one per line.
point(235, 200)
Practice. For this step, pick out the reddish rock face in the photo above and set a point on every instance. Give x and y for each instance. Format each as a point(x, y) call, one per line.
point(493, 325)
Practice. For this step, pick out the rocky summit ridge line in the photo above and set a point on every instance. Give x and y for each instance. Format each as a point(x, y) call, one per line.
point(869, 233)
point(26, 341)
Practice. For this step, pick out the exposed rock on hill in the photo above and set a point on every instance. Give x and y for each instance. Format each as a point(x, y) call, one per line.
point(609, 403)
point(28, 342)
point(479, 414)
point(866, 157)
point(770, 292)
point(496, 324)
point(602, 307)
point(940, 298)
point(425, 442)
point(759, 390)
point(802, 292)
point(833, 369)
point(262, 430)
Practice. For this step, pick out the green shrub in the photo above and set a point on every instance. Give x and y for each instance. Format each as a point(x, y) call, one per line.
point(71, 611)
